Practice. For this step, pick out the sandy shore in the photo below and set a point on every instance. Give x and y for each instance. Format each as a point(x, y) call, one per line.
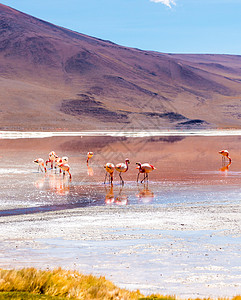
point(189, 250)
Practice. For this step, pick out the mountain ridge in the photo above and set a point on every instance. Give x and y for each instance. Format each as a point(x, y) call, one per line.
point(53, 78)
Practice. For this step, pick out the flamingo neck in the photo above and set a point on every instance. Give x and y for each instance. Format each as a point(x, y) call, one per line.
point(126, 167)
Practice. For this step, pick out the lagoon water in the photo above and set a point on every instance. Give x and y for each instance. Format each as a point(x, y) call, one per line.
point(177, 234)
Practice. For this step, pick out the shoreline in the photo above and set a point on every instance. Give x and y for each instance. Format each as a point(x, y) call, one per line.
point(133, 134)
point(190, 251)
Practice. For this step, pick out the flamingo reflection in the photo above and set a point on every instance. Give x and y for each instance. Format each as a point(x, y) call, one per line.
point(59, 184)
point(109, 197)
point(144, 194)
point(90, 171)
point(39, 184)
point(121, 199)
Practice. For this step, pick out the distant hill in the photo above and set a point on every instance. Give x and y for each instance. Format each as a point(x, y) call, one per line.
point(52, 78)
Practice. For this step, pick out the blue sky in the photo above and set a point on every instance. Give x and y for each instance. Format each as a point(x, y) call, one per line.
point(173, 26)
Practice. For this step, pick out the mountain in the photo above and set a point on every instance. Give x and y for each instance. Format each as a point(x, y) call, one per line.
point(52, 78)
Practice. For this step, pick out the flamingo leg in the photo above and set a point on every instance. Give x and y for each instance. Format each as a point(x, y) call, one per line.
point(69, 175)
point(122, 181)
point(145, 175)
point(138, 177)
point(105, 177)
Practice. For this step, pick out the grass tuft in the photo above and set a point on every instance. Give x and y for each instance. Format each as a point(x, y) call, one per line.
point(61, 283)
point(33, 284)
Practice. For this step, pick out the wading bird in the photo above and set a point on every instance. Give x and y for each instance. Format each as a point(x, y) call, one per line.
point(89, 155)
point(224, 154)
point(52, 158)
point(61, 160)
point(145, 169)
point(65, 167)
point(40, 163)
point(109, 167)
point(122, 168)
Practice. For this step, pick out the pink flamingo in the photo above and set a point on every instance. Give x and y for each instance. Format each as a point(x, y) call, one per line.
point(109, 167)
point(122, 168)
point(52, 158)
point(65, 167)
point(144, 168)
point(224, 154)
point(89, 155)
point(61, 160)
point(40, 163)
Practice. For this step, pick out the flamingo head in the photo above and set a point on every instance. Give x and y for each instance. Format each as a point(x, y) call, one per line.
point(90, 154)
point(65, 159)
point(223, 152)
point(127, 161)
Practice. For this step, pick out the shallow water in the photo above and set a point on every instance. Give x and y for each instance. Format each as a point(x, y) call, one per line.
point(178, 233)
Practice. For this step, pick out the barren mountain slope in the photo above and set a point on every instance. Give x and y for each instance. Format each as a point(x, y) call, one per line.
point(52, 78)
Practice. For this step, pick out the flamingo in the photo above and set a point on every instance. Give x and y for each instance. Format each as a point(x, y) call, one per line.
point(52, 158)
point(109, 167)
point(224, 154)
point(65, 167)
point(89, 155)
point(144, 168)
point(40, 162)
point(122, 168)
point(60, 160)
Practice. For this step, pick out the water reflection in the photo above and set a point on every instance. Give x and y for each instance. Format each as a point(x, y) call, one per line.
point(120, 199)
point(39, 184)
point(90, 171)
point(144, 193)
point(56, 183)
point(109, 197)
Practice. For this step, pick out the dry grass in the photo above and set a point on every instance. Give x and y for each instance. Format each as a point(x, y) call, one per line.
point(59, 284)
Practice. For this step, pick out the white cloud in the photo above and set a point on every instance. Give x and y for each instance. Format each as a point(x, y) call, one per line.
point(168, 3)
